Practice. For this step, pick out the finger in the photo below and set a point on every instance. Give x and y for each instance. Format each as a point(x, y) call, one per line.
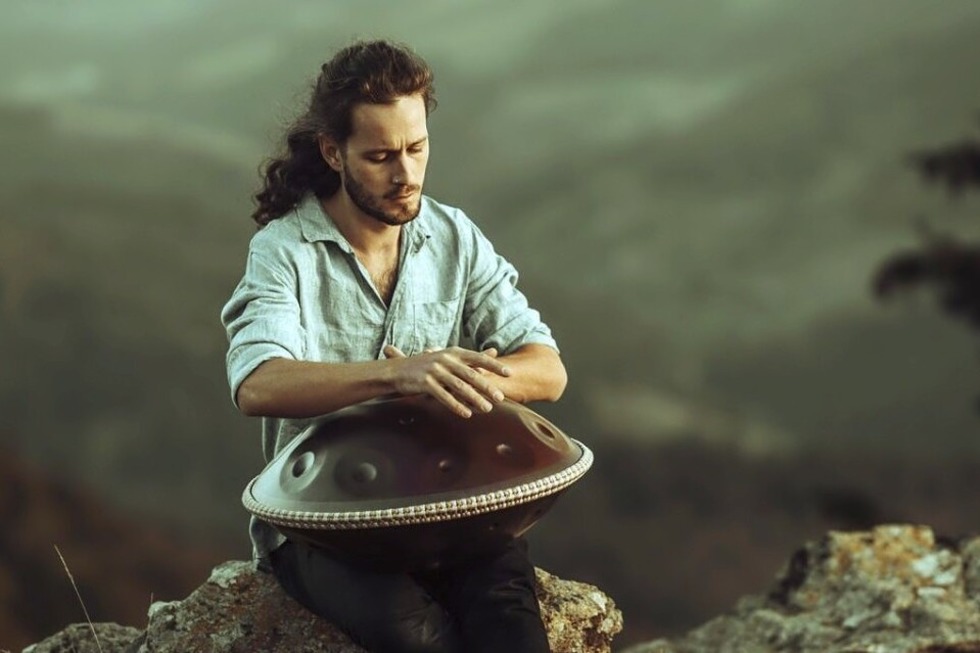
point(470, 387)
point(440, 393)
point(482, 360)
point(474, 359)
point(488, 363)
point(479, 379)
point(487, 388)
point(490, 351)
point(468, 394)
point(391, 351)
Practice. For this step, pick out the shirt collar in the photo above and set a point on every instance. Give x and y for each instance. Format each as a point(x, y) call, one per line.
point(316, 225)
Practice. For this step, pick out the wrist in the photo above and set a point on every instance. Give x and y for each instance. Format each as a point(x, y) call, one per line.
point(388, 375)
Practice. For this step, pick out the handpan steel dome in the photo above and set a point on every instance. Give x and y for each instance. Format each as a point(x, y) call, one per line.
point(405, 483)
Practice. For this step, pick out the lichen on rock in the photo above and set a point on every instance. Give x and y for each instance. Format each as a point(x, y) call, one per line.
point(895, 589)
point(79, 638)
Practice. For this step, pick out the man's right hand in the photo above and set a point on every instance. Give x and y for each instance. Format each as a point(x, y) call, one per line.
point(453, 376)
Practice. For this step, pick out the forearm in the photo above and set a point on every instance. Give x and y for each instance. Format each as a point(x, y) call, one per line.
point(296, 389)
point(537, 374)
point(288, 388)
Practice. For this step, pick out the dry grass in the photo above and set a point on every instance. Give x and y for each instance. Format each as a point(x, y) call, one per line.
point(88, 619)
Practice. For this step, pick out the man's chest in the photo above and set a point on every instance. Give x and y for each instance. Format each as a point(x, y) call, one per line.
point(382, 272)
point(351, 307)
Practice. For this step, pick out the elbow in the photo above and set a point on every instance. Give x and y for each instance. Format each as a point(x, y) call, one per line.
point(250, 400)
point(258, 395)
point(557, 383)
point(246, 403)
point(559, 386)
point(552, 377)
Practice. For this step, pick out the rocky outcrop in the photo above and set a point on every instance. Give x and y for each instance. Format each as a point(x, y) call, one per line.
point(895, 589)
point(240, 609)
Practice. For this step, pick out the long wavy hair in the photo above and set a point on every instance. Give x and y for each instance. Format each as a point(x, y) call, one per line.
point(376, 72)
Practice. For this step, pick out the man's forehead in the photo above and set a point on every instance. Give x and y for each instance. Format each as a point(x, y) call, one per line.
point(399, 122)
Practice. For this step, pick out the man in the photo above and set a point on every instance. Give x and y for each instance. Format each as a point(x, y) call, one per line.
point(359, 286)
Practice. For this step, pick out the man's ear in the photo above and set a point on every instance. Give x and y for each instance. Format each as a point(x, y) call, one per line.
point(330, 152)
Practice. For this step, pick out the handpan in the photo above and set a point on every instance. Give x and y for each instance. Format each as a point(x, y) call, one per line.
point(405, 484)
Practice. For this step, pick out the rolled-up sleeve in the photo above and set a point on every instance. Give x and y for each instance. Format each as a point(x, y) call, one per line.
point(262, 318)
point(496, 313)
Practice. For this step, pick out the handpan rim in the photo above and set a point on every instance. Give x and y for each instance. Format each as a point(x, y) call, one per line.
point(432, 511)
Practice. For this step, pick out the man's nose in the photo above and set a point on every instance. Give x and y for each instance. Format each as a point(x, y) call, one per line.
point(403, 173)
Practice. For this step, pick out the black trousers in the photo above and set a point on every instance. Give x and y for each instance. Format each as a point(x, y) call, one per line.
point(486, 605)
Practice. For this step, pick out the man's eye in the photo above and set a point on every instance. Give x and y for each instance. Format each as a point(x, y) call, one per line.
point(377, 158)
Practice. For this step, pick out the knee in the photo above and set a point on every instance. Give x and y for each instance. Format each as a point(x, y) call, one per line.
point(422, 634)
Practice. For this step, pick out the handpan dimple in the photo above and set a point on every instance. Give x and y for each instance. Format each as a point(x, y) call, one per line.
point(515, 455)
point(442, 469)
point(405, 483)
point(302, 464)
point(300, 470)
point(365, 474)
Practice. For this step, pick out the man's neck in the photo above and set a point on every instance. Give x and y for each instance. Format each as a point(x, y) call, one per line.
point(364, 233)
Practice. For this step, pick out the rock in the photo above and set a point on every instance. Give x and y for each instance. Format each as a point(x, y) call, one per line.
point(243, 610)
point(894, 589)
point(578, 616)
point(78, 638)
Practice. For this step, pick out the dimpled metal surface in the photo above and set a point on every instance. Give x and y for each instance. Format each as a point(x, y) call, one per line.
point(405, 483)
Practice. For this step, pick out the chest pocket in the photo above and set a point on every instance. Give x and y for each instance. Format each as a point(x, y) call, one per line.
point(436, 324)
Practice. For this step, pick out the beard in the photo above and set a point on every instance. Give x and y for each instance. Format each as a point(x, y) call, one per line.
point(372, 205)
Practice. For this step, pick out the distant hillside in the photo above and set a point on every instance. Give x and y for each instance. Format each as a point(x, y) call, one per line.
point(110, 285)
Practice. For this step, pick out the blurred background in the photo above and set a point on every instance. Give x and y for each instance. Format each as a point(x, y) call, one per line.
point(697, 196)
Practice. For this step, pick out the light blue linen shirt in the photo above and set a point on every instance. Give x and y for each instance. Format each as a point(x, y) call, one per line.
point(305, 296)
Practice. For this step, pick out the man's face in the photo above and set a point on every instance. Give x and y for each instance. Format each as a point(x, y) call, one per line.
point(382, 164)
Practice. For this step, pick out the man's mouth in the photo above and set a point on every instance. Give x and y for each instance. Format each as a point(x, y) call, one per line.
point(402, 194)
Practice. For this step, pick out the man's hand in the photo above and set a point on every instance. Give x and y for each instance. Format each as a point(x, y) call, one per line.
point(453, 376)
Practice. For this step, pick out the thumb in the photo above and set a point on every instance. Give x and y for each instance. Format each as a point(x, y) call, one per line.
point(391, 351)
